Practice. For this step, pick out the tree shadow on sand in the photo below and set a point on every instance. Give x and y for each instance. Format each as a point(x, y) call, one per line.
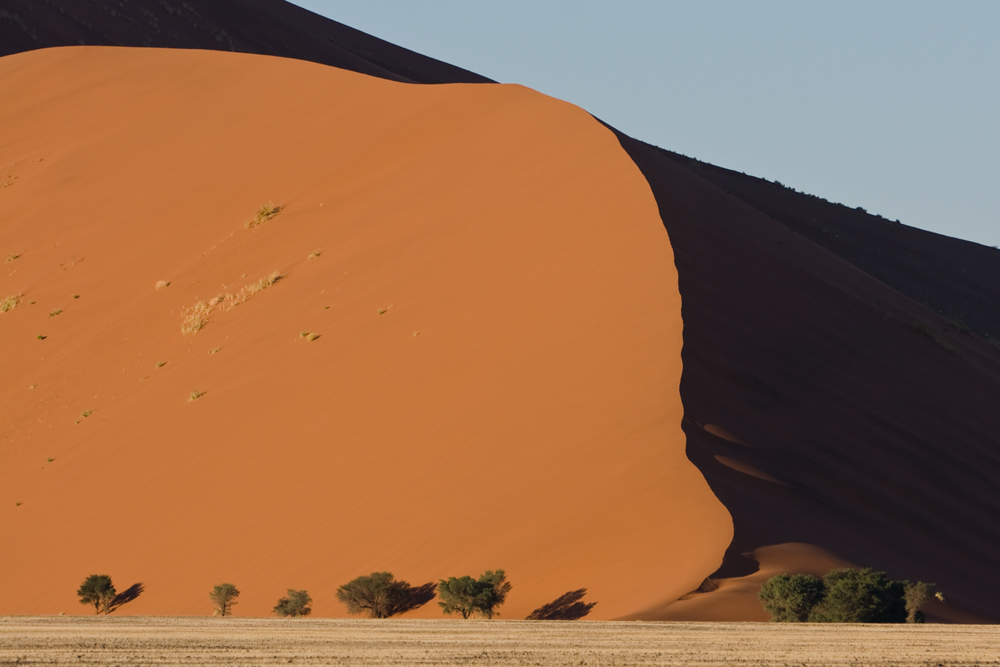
point(566, 607)
point(414, 597)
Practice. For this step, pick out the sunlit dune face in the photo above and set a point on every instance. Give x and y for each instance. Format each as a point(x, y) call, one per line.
point(469, 358)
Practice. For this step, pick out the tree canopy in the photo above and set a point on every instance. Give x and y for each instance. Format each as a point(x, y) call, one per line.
point(295, 604)
point(99, 591)
point(791, 598)
point(844, 596)
point(223, 596)
point(380, 595)
point(474, 597)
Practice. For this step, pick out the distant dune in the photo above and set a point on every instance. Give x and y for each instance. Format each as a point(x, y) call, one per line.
point(494, 383)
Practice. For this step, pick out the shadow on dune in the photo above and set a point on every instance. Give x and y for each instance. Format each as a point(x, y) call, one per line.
point(567, 607)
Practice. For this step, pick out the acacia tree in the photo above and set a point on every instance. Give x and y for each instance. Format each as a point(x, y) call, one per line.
point(860, 596)
point(296, 604)
point(98, 590)
point(915, 594)
point(791, 598)
point(224, 597)
point(470, 597)
point(380, 595)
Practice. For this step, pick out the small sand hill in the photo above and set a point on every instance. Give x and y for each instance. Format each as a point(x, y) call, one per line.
point(491, 380)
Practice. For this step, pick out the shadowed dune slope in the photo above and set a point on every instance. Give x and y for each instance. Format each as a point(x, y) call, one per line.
point(268, 27)
point(826, 408)
point(495, 381)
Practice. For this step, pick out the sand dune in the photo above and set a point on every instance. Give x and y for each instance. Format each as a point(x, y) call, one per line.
point(516, 404)
point(825, 407)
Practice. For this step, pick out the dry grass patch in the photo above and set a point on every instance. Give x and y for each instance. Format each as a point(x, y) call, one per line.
point(263, 214)
point(10, 303)
point(160, 284)
point(195, 317)
point(195, 395)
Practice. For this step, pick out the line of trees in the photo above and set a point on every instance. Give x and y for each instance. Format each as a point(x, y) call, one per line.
point(377, 595)
point(844, 596)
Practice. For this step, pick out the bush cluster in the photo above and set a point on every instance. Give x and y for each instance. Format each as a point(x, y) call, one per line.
point(844, 596)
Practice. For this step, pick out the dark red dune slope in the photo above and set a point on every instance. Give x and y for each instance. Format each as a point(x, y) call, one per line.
point(839, 389)
point(268, 27)
point(825, 407)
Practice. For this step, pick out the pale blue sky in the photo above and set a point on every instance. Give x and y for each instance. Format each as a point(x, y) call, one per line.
point(893, 106)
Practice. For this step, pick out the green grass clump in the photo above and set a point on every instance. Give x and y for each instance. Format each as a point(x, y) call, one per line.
point(263, 214)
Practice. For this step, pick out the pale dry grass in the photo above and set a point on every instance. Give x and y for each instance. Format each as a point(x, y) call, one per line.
point(10, 303)
point(263, 214)
point(195, 317)
point(237, 641)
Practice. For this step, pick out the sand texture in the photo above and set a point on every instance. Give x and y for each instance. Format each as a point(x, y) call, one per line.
point(186, 641)
point(491, 379)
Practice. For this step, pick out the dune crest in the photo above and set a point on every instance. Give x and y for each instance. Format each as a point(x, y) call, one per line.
point(472, 360)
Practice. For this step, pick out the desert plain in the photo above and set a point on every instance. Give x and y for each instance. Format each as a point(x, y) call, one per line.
point(256, 641)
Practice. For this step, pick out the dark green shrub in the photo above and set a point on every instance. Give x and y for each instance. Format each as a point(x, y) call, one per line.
point(860, 596)
point(791, 598)
point(296, 604)
point(470, 597)
point(381, 596)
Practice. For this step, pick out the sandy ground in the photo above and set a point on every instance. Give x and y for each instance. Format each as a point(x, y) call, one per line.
point(186, 641)
point(491, 380)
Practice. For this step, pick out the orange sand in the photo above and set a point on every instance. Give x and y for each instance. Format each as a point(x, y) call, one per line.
point(516, 406)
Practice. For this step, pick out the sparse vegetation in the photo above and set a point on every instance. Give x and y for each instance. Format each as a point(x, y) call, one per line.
point(224, 596)
point(75, 296)
point(381, 311)
point(380, 595)
point(195, 395)
point(214, 350)
point(11, 258)
point(86, 413)
point(472, 597)
point(55, 312)
point(161, 364)
point(97, 590)
point(263, 214)
point(295, 604)
point(10, 303)
point(160, 284)
point(844, 596)
point(315, 253)
point(194, 318)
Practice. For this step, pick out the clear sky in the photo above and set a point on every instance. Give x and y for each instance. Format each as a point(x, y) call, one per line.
point(891, 105)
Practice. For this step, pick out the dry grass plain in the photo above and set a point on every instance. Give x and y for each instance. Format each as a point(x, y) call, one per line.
point(243, 641)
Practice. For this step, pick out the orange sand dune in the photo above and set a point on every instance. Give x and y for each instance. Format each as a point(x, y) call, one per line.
point(515, 406)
